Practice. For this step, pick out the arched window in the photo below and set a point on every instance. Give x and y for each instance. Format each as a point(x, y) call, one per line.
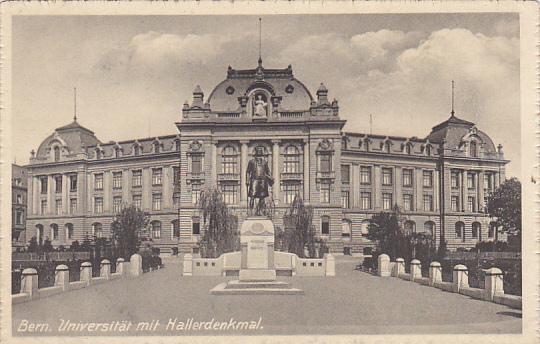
point(175, 228)
point(346, 227)
point(39, 233)
point(97, 230)
point(460, 230)
point(409, 227)
point(291, 162)
point(56, 153)
point(69, 231)
point(325, 225)
point(54, 231)
point(156, 229)
point(229, 160)
point(429, 228)
point(477, 231)
point(473, 149)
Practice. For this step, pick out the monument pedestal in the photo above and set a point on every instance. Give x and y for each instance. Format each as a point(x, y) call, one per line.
point(257, 271)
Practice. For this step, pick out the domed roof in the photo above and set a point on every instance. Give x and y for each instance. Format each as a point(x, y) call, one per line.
point(72, 137)
point(294, 94)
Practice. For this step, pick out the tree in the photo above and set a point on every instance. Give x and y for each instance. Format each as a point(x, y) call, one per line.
point(32, 245)
point(300, 232)
point(504, 205)
point(221, 226)
point(47, 245)
point(386, 230)
point(127, 228)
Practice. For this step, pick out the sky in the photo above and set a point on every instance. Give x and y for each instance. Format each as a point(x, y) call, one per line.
point(133, 73)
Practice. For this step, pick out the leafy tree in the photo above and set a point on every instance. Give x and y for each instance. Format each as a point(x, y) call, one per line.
point(75, 246)
point(300, 232)
point(221, 226)
point(32, 244)
point(386, 230)
point(47, 245)
point(127, 228)
point(504, 205)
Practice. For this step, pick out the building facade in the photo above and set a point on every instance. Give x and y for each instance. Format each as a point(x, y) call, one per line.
point(19, 179)
point(76, 183)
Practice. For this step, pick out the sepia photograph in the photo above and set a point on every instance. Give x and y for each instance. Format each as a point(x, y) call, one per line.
point(244, 172)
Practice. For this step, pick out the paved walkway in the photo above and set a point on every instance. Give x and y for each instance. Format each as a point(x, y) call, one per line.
point(353, 302)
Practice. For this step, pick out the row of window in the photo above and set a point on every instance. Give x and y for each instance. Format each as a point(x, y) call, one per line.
point(387, 176)
point(137, 150)
point(472, 178)
point(476, 231)
point(387, 201)
point(44, 183)
point(58, 206)
point(136, 178)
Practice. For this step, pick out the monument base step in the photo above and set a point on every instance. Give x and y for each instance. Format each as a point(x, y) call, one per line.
point(254, 275)
point(258, 284)
point(228, 288)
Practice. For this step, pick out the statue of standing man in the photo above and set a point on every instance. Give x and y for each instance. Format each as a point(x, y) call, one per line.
point(258, 181)
point(259, 107)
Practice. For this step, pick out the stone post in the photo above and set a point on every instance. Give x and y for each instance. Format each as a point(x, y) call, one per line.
point(61, 277)
point(120, 266)
point(460, 278)
point(86, 272)
point(136, 264)
point(105, 269)
point(494, 283)
point(188, 265)
point(435, 273)
point(383, 265)
point(29, 283)
point(416, 270)
point(399, 267)
point(330, 264)
point(275, 169)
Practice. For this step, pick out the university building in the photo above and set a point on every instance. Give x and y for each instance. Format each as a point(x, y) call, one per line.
point(76, 183)
point(19, 179)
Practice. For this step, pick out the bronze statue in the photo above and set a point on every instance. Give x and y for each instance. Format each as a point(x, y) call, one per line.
point(258, 181)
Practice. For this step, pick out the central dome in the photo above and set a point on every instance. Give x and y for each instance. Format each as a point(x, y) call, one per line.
point(277, 82)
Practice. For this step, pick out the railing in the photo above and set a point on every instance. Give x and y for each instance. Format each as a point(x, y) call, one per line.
point(326, 175)
point(228, 115)
point(482, 255)
point(60, 256)
point(228, 176)
point(196, 175)
point(291, 176)
point(292, 114)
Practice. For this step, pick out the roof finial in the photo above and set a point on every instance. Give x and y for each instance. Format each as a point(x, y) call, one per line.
point(260, 42)
point(74, 104)
point(452, 112)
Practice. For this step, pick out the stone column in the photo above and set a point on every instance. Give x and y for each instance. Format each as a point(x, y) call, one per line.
point(107, 192)
point(436, 190)
point(383, 265)
point(61, 278)
point(136, 265)
point(463, 192)
point(399, 267)
point(50, 195)
point(126, 185)
point(354, 191)
point(146, 189)
point(480, 193)
point(460, 278)
point(243, 168)
point(376, 181)
point(81, 192)
point(416, 270)
point(105, 269)
point(398, 186)
point(418, 189)
point(494, 283)
point(33, 192)
point(86, 272)
point(214, 163)
point(306, 171)
point(65, 193)
point(435, 273)
point(120, 264)
point(89, 188)
point(167, 186)
point(496, 180)
point(275, 169)
point(29, 282)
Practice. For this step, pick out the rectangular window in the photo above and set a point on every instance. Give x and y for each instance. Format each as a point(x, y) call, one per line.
point(488, 182)
point(407, 178)
point(230, 193)
point(408, 202)
point(43, 182)
point(326, 162)
point(428, 202)
point(98, 205)
point(471, 204)
point(157, 174)
point(72, 205)
point(387, 201)
point(454, 179)
point(156, 230)
point(365, 175)
point(345, 174)
point(19, 218)
point(117, 180)
point(73, 183)
point(455, 203)
point(325, 225)
point(117, 204)
point(19, 199)
point(386, 176)
point(195, 193)
point(156, 201)
point(43, 207)
point(196, 226)
point(58, 207)
point(98, 181)
point(136, 181)
point(365, 200)
point(58, 184)
point(471, 181)
point(196, 164)
point(345, 199)
point(427, 179)
point(137, 201)
point(325, 193)
point(290, 190)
